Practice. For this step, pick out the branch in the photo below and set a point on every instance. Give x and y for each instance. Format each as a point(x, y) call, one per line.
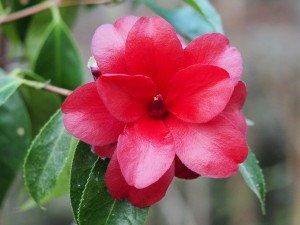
point(57, 90)
point(44, 6)
point(46, 87)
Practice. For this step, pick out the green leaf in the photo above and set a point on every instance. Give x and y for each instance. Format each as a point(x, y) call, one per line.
point(41, 106)
point(91, 202)
point(254, 177)
point(8, 85)
point(40, 27)
point(199, 17)
point(14, 140)
point(81, 170)
point(47, 164)
point(58, 59)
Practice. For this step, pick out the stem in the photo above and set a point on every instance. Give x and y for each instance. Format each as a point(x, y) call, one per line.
point(44, 6)
point(57, 90)
point(47, 87)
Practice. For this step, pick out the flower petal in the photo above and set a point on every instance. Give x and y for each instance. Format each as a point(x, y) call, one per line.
point(153, 49)
point(215, 49)
point(119, 189)
point(87, 118)
point(105, 151)
point(145, 151)
point(181, 171)
point(213, 149)
point(238, 97)
point(236, 102)
point(108, 45)
point(199, 93)
point(126, 97)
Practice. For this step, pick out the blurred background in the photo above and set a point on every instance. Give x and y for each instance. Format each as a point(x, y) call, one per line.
point(267, 32)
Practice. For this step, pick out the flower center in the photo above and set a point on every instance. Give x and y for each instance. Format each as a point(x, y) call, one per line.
point(157, 107)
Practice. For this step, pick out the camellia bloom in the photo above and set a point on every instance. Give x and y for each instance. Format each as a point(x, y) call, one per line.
point(159, 108)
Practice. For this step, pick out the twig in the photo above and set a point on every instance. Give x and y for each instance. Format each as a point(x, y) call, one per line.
point(44, 6)
point(44, 86)
point(57, 90)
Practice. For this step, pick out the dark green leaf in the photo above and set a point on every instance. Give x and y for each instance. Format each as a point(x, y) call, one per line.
point(58, 59)
point(48, 159)
point(190, 21)
point(97, 207)
point(8, 85)
point(83, 163)
point(41, 106)
point(254, 177)
point(14, 140)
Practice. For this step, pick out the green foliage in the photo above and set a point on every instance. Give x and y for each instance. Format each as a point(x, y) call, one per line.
point(254, 177)
point(8, 85)
point(47, 164)
point(14, 140)
point(199, 17)
point(55, 55)
point(91, 202)
point(80, 173)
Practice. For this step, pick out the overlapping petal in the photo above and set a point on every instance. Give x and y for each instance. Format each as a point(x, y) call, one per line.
point(199, 93)
point(153, 49)
point(87, 118)
point(213, 149)
point(215, 49)
point(105, 151)
point(126, 97)
point(108, 45)
point(147, 196)
point(181, 171)
point(236, 102)
point(145, 151)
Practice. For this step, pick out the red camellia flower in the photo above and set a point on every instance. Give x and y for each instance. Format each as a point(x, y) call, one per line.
point(159, 108)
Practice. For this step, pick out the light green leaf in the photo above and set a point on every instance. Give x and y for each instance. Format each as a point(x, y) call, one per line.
point(8, 85)
point(199, 17)
point(91, 202)
point(14, 140)
point(254, 177)
point(47, 164)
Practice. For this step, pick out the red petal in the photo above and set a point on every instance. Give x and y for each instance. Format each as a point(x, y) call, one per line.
point(236, 102)
point(145, 151)
point(108, 45)
point(238, 97)
point(126, 97)
point(87, 118)
point(105, 151)
point(119, 189)
point(214, 49)
point(153, 49)
point(199, 93)
point(213, 149)
point(181, 171)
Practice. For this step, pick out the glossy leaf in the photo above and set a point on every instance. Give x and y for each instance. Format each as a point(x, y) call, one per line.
point(91, 202)
point(254, 177)
point(8, 85)
point(83, 163)
point(14, 140)
point(47, 164)
point(56, 57)
point(199, 17)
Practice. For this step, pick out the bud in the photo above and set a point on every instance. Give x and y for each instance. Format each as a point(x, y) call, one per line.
point(92, 64)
